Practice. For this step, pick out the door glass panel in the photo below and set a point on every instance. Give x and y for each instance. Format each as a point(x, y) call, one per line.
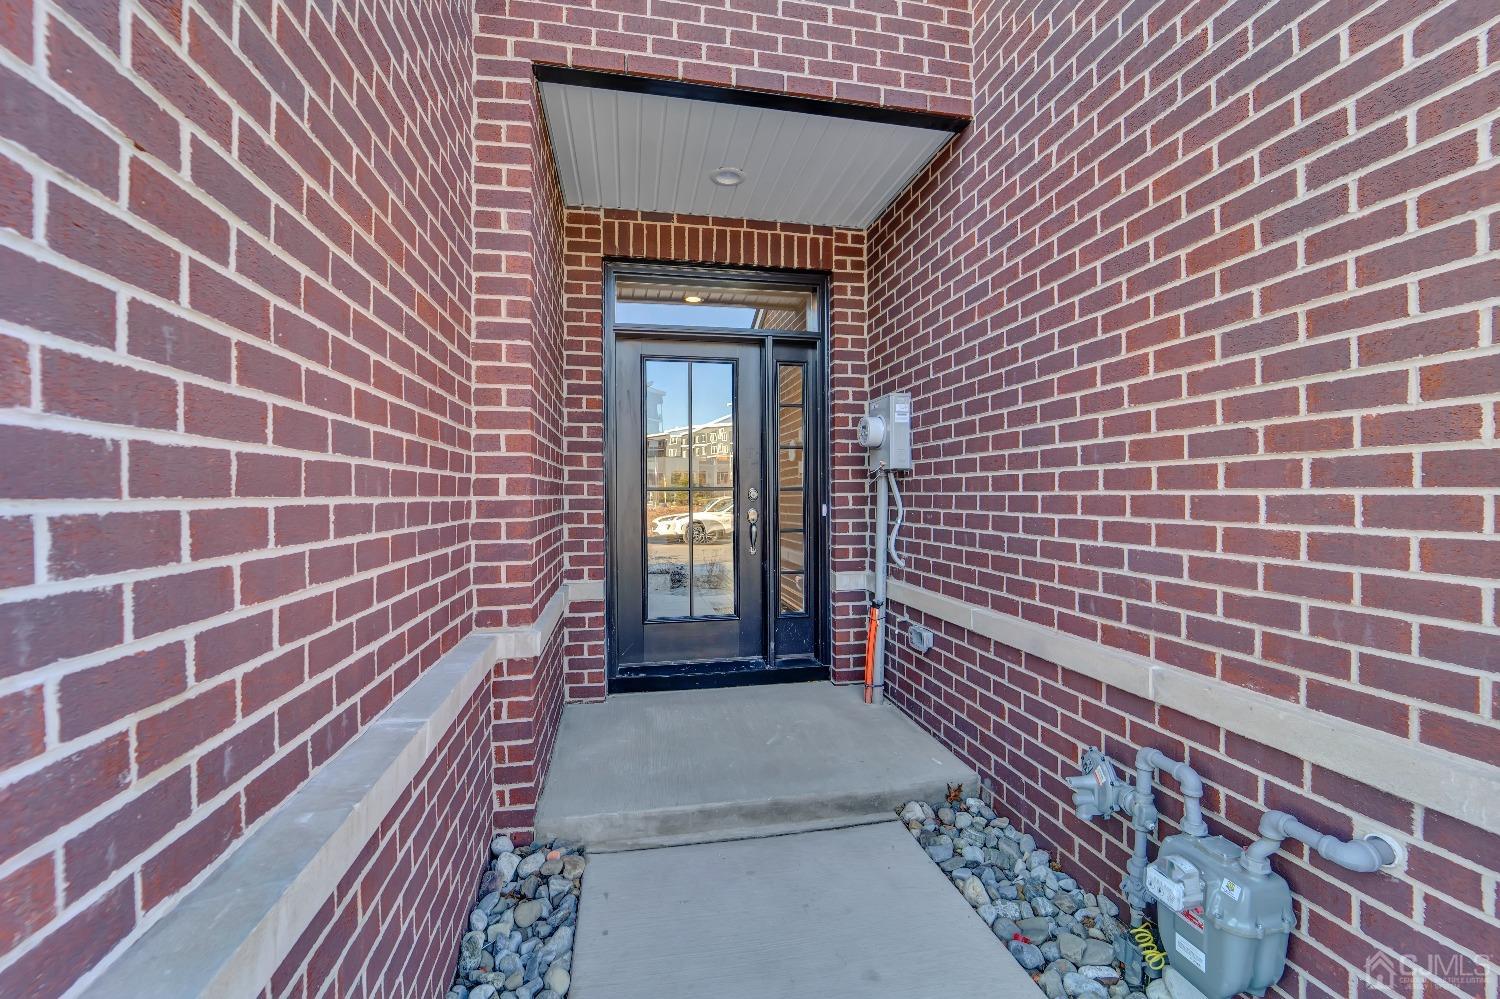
point(789, 468)
point(713, 424)
point(791, 484)
point(713, 553)
point(668, 433)
point(690, 520)
point(789, 384)
point(789, 432)
point(668, 556)
point(791, 551)
point(790, 598)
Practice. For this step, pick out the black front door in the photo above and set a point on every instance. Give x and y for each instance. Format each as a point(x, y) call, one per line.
point(688, 505)
point(717, 526)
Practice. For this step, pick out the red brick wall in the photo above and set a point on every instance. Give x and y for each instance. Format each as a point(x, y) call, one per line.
point(393, 925)
point(234, 288)
point(594, 235)
point(1199, 321)
point(517, 264)
point(914, 54)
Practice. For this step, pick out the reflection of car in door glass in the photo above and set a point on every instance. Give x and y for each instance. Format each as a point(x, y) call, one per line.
point(713, 522)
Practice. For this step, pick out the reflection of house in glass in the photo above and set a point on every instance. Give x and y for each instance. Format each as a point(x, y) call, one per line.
point(655, 396)
point(709, 446)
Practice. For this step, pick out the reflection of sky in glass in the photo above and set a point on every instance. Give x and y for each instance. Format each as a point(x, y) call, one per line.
point(712, 391)
point(682, 314)
point(670, 378)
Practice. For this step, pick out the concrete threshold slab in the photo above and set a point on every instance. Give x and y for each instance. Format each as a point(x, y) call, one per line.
point(665, 769)
point(856, 913)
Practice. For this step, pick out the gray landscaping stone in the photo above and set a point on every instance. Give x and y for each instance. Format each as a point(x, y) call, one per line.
point(1028, 956)
point(1077, 985)
point(505, 866)
point(1096, 952)
point(941, 850)
point(1004, 928)
point(526, 914)
point(1049, 925)
point(1037, 928)
point(1072, 947)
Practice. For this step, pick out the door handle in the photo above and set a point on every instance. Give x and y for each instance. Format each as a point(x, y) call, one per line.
point(752, 515)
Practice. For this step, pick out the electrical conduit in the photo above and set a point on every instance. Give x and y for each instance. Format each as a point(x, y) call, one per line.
point(885, 548)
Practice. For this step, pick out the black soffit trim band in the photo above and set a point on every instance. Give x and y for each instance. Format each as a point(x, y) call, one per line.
point(601, 80)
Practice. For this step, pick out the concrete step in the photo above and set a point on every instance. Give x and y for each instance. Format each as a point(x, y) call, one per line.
point(701, 766)
point(840, 914)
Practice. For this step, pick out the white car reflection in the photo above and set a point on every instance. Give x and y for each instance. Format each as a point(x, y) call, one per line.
point(714, 522)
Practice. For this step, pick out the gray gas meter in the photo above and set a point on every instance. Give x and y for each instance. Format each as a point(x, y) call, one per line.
point(1224, 928)
point(885, 430)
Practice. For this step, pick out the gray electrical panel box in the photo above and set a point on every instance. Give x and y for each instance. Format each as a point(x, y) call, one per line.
point(1223, 928)
point(885, 430)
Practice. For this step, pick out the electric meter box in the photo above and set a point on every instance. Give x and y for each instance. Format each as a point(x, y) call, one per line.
point(1223, 928)
point(886, 431)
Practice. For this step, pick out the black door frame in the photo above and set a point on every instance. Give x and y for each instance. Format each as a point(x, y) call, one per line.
point(675, 676)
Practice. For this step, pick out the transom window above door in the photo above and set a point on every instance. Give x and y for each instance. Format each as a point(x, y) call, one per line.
point(715, 305)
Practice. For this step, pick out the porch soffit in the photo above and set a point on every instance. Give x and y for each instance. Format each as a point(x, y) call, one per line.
point(650, 145)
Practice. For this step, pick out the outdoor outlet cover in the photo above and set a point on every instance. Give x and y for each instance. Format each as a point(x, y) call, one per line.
point(921, 638)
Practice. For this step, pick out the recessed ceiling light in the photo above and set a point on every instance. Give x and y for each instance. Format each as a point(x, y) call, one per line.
point(727, 176)
point(692, 299)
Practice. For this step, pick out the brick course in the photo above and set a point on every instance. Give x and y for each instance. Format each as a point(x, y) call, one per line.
point(1195, 322)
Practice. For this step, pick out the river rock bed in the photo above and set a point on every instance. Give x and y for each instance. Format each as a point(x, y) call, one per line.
point(519, 943)
point(1070, 940)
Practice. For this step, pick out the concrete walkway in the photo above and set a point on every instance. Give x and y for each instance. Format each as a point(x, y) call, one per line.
point(857, 913)
point(700, 766)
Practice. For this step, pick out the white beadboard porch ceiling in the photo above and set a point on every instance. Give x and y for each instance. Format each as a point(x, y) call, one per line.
point(624, 142)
